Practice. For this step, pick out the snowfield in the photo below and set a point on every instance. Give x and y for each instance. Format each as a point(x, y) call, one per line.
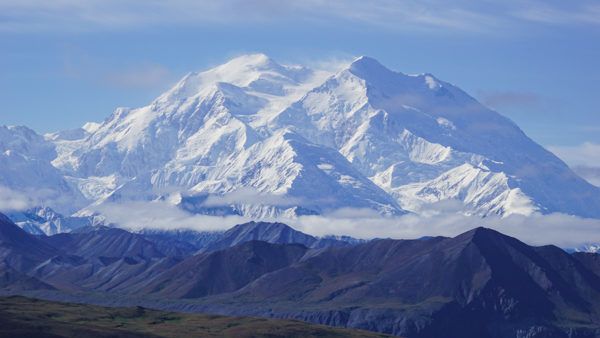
point(259, 139)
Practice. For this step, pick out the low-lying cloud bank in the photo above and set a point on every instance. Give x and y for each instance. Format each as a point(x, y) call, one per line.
point(11, 200)
point(584, 159)
point(15, 200)
point(558, 229)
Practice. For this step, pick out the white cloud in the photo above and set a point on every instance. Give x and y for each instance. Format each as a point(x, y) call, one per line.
point(146, 75)
point(162, 215)
point(587, 12)
point(11, 200)
point(332, 64)
point(503, 99)
point(585, 154)
point(558, 229)
point(591, 174)
point(81, 65)
point(33, 15)
point(24, 198)
point(584, 159)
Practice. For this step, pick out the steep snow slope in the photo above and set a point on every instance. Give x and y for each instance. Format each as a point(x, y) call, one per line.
point(424, 140)
point(260, 139)
point(206, 136)
point(25, 168)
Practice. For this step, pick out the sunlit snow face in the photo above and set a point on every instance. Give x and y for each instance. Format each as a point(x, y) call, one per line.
point(308, 142)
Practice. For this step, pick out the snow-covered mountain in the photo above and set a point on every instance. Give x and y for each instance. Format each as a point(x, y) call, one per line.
point(591, 248)
point(424, 140)
point(45, 221)
point(27, 175)
point(257, 138)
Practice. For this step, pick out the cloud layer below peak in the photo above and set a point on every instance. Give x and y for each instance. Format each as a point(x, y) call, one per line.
point(558, 229)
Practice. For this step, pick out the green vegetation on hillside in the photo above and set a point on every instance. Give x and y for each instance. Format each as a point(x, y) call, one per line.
point(26, 317)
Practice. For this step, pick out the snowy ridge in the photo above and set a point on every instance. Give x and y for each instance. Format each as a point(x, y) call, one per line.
point(26, 169)
point(45, 221)
point(259, 139)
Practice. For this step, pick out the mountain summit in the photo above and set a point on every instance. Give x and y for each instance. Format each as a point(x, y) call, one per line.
point(257, 138)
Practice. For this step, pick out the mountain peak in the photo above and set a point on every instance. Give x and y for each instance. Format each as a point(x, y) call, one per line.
point(486, 237)
point(253, 58)
point(262, 231)
point(252, 61)
point(365, 66)
point(256, 72)
point(365, 59)
point(479, 232)
point(374, 72)
point(369, 136)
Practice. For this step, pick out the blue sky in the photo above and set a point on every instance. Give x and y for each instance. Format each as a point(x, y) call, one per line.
point(66, 62)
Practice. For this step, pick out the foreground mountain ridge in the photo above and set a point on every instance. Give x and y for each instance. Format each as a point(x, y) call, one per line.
point(256, 138)
point(478, 284)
